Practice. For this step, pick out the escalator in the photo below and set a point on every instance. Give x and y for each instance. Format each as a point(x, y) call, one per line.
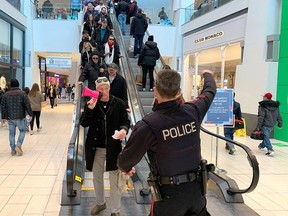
point(225, 187)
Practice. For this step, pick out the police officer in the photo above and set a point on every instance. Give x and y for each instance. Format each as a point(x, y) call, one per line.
point(171, 137)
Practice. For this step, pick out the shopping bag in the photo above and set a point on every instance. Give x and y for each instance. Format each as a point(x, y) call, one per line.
point(257, 135)
point(138, 80)
point(239, 124)
point(131, 44)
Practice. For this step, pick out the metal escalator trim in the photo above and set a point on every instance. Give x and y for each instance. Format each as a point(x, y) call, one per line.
point(251, 158)
point(75, 157)
point(137, 111)
point(127, 72)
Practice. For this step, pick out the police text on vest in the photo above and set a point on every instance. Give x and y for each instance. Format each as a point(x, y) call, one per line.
point(179, 131)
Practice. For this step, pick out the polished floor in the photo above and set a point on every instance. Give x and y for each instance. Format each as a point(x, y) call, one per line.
point(31, 184)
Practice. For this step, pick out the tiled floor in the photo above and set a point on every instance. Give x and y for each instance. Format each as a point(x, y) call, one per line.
point(31, 184)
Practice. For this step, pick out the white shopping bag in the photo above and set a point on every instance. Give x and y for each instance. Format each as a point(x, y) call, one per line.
point(131, 44)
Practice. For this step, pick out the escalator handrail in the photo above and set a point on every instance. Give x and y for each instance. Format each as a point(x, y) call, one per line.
point(251, 158)
point(124, 62)
point(73, 147)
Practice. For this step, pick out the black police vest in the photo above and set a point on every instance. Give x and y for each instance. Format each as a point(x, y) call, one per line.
point(177, 133)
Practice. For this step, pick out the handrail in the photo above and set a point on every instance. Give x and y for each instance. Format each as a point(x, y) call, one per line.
point(73, 149)
point(127, 73)
point(75, 156)
point(252, 159)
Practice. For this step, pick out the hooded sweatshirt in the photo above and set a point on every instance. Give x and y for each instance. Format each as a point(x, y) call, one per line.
point(269, 114)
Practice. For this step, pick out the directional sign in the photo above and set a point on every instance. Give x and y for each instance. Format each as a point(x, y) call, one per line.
point(221, 109)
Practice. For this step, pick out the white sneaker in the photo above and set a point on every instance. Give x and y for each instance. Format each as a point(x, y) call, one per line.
point(270, 153)
point(39, 129)
point(31, 132)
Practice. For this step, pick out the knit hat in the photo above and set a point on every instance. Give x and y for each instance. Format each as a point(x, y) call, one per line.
point(151, 38)
point(95, 53)
point(102, 81)
point(14, 83)
point(268, 95)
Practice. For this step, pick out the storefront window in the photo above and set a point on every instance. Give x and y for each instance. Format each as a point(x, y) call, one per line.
point(232, 59)
point(17, 47)
point(18, 74)
point(217, 59)
point(4, 42)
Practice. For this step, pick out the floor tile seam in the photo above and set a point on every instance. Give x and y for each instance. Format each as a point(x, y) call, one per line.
point(261, 203)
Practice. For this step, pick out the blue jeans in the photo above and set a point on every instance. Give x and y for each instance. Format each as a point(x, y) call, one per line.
point(122, 22)
point(229, 133)
point(138, 42)
point(20, 123)
point(266, 141)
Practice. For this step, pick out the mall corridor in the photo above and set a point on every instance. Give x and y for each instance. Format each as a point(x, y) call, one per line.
point(32, 184)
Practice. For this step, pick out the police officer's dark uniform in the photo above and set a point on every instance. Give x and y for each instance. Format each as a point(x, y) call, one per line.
point(171, 137)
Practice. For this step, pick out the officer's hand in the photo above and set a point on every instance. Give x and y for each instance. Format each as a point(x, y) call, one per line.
point(131, 172)
point(92, 103)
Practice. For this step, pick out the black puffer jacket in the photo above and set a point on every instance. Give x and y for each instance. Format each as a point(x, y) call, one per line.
point(139, 25)
point(149, 54)
point(268, 114)
point(90, 73)
point(15, 103)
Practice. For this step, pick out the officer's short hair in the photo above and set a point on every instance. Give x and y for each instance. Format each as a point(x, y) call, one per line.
point(168, 83)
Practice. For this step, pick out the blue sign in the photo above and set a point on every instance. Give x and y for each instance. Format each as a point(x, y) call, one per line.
point(221, 110)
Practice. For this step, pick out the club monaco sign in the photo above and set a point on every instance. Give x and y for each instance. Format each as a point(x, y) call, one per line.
point(209, 37)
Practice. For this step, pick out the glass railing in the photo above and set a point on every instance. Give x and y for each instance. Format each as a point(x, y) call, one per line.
point(193, 11)
point(18, 4)
point(152, 16)
point(59, 11)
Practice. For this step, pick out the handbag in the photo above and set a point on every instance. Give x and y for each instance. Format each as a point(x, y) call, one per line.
point(239, 124)
point(257, 135)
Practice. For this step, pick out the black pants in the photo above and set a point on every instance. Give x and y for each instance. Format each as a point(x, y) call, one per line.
point(181, 200)
point(145, 69)
point(37, 115)
point(51, 101)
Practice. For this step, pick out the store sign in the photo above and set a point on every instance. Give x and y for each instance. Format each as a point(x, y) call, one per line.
point(58, 62)
point(209, 37)
point(221, 110)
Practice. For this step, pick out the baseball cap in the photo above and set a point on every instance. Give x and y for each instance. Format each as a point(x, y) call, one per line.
point(102, 81)
point(268, 95)
point(112, 66)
